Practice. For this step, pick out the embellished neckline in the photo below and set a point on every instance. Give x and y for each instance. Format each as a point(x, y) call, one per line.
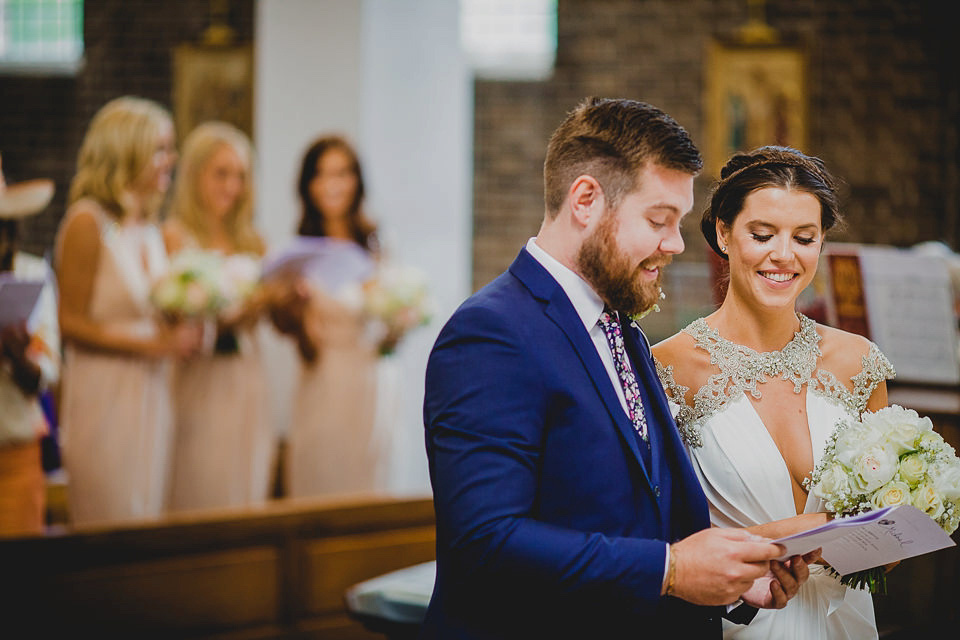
point(794, 362)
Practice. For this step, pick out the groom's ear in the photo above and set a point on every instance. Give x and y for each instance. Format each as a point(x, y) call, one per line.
point(586, 199)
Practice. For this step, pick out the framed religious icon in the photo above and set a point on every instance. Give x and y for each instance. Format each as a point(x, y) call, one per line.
point(755, 95)
point(212, 83)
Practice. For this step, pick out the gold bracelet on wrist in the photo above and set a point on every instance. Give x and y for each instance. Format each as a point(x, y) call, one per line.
point(671, 573)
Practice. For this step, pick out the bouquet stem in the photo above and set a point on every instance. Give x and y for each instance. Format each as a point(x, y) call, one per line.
point(873, 580)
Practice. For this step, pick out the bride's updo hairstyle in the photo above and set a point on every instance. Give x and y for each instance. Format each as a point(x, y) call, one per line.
point(777, 167)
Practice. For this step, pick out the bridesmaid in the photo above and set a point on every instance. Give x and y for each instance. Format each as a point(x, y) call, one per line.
point(331, 448)
point(223, 444)
point(115, 406)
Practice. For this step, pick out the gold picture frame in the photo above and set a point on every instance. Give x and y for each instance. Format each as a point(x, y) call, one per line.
point(212, 83)
point(755, 95)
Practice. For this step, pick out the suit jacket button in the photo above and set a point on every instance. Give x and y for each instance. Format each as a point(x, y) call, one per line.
point(656, 491)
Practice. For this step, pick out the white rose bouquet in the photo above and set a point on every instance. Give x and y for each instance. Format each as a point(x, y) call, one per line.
point(888, 457)
point(398, 299)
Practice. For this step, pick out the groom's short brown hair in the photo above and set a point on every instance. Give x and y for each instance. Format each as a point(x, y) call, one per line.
point(612, 140)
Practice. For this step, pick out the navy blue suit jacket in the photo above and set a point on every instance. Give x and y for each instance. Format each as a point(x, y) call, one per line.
point(549, 523)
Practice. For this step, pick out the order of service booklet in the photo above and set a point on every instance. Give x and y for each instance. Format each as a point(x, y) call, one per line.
point(871, 539)
point(17, 298)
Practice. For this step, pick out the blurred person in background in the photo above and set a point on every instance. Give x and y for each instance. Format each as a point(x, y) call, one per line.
point(331, 448)
point(116, 412)
point(223, 444)
point(29, 364)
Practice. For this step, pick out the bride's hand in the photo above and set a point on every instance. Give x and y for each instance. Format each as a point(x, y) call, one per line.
point(781, 583)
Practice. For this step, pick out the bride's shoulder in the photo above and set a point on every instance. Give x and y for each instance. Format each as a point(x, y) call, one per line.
point(844, 353)
point(679, 353)
point(678, 348)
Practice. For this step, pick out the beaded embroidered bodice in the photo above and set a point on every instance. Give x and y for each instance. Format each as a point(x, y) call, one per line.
point(742, 369)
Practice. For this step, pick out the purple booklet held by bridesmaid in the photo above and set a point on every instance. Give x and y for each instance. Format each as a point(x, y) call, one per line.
point(331, 261)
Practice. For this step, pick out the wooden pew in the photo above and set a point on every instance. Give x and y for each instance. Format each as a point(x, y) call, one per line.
point(279, 571)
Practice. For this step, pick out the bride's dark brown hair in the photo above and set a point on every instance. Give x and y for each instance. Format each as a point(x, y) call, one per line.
point(771, 166)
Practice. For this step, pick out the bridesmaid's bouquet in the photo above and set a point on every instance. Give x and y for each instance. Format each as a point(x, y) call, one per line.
point(239, 278)
point(398, 299)
point(888, 457)
point(204, 284)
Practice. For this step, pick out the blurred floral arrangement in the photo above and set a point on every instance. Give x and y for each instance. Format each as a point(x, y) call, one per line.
point(397, 299)
point(205, 284)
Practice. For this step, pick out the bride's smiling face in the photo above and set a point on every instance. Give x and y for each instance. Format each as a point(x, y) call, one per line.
point(773, 246)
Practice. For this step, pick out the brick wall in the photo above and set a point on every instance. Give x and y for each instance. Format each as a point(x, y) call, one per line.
point(129, 48)
point(884, 100)
point(884, 95)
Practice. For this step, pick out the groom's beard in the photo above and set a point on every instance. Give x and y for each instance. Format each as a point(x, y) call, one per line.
point(613, 275)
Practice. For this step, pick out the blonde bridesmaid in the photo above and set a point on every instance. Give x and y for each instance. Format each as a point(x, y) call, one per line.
point(223, 444)
point(116, 406)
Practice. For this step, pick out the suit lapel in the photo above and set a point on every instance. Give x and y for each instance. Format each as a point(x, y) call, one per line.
point(658, 413)
point(560, 310)
point(668, 441)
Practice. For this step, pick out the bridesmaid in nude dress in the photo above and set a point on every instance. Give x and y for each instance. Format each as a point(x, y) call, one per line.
point(331, 447)
point(223, 444)
point(115, 405)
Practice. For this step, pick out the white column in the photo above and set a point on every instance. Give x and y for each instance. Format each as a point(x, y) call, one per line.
point(389, 74)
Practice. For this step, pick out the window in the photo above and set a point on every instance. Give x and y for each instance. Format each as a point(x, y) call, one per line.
point(510, 39)
point(41, 36)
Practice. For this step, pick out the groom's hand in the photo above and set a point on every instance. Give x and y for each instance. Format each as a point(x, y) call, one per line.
point(715, 566)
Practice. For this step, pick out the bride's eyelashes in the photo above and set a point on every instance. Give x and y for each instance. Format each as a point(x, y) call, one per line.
point(800, 239)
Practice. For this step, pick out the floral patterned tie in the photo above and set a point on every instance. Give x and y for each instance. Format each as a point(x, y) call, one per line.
point(612, 330)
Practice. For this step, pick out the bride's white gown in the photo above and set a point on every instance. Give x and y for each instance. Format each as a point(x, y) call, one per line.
point(745, 478)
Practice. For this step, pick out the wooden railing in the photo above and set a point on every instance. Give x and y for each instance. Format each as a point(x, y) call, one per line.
point(274, 572)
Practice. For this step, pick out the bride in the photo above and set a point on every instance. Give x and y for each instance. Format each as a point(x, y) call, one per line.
point(757, 387)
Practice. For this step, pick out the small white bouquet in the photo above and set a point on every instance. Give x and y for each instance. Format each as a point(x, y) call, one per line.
point(202, 284)
point(239, 277)
point(398, 299)
point(190, 287)
point(888, 457)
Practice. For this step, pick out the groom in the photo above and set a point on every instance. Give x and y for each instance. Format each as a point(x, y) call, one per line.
point(566, 506)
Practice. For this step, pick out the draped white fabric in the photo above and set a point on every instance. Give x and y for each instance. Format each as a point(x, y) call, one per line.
point(747, 483)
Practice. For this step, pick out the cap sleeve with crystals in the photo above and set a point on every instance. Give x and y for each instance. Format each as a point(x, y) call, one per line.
point(683, 413)
point(876, 369)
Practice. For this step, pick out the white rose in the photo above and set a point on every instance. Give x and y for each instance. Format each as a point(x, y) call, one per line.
point(875, 467)
point(913, 468)
point(886, 419)
point(904, 437)
point(852, 441)
point(833, 481)
point(891, 494)
point(926, 499)
point(931, 440)
point(947, 481)
point(900, 426)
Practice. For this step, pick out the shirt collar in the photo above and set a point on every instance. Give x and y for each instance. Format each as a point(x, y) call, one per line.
point(584, 299)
